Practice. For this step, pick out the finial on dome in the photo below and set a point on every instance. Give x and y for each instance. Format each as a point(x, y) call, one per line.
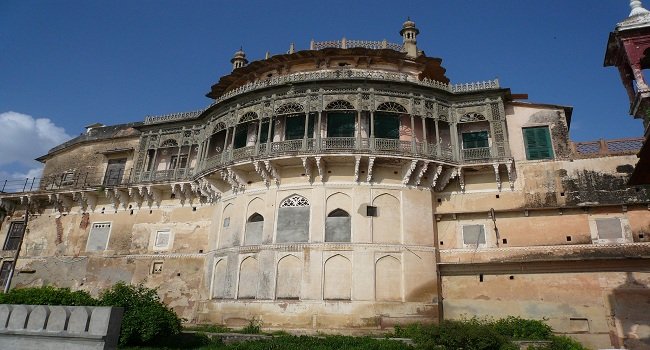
point(239, 59)
point(637, 8)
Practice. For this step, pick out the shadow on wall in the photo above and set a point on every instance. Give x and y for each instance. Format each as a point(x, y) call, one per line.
point(630, 311)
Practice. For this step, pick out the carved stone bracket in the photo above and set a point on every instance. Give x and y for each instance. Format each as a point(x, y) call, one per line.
point(121, 197)
point(497, 176)
point(8, 205)
point(155, 194)
point(512, 174)
point(307, 164)
point(436, 174)
point(91, 199)
point(134, 194)
point(371, 163)
point(357, 162)
point(423, 170)
point(320, 164)
point(260, 169)
point(270, 168)
point(409, 170)
point(446, 176)
point(461, 179)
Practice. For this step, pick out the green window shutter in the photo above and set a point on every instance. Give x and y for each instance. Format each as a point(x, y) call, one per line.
point(477, 139)
point(386, 126)
point(264, 133)
point(295, 127)
point(340, 125)
point(311, 126)
point(241, 134)
point(538, 143)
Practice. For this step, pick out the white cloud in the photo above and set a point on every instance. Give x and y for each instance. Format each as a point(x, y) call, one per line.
point(23, 138)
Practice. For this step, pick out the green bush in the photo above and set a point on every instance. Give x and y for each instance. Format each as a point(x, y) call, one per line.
point(145, 316)
point(519, 328)
point(47, 296)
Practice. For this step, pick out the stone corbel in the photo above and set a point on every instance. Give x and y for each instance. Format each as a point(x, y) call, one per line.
point(155, 194)
point(261, 171)
point(409, 170)
point(423, 170)
point(239, 178)
point(8, 205)
point(357, 162)
point(307, 164)
point(497, 176)
point(270, 168)
point(446, 176)
point(320, 164)
point(91, 200)
point(122, 197)
point(436, 174)
point(134, 194)
point(65, 201)
point(512, 174)
point(461, 179)
point(371, 163)
point(79, 198)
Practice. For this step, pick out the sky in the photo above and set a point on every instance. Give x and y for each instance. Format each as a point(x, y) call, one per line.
point(68, 63)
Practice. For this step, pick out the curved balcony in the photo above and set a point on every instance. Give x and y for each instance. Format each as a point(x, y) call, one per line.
point(333, 145)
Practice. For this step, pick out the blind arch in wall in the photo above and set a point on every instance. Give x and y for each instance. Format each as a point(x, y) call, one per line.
point(387, 225)
point(293, 220)
point(337, 282)
point(288, 278)
point(388, 279)
point(219, 283)
point(248, 278)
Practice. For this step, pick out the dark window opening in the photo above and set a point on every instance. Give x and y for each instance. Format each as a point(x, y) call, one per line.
point(478, 139)
point(256, 218)
point(177, 162)
point(338, 213)
point(386, 125)
point(340, 124)
point(294, 127)
point(4, 272)
point(241, 136)
point(371, 210)
point(15, 235)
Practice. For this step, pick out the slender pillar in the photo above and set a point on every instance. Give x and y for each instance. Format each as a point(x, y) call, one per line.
point(269, 135)
point(225, 146)
point(372, 129)
point(413, 145)
point(304, 136)
point(425, 145)
point(153, 164)
point(454, 140)
point(358, 143)
point(319, 130)
point(178, 159)
point(438, 146)
point(257, 138)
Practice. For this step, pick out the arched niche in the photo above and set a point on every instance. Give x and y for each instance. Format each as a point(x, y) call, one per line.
point(337, 280)
point(219, 285)
point(388, 279)
point(288, 278)
point(387, 225)
point(248, 278)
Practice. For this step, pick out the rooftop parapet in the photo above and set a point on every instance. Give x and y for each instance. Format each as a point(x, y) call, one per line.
point(348, 44)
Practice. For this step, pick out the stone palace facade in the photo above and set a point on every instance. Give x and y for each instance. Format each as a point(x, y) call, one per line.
point(347, 186)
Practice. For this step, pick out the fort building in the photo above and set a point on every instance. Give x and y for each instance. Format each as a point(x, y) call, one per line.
point(348, 186)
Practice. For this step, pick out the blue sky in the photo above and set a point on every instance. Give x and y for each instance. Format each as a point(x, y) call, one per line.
point(66, 64)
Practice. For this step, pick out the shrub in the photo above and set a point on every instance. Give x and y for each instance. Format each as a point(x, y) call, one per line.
point(145, 315)
point(47, 295)
point(254, 327)
point(519, 328)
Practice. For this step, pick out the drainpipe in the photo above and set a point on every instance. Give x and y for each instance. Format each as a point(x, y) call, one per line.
point(20, 244)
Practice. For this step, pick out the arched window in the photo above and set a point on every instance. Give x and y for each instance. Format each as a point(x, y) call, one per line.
point(339, 105)
point(393, 107)
point(293, 220)
point(289, 108)
point(387, 120)
point(338, 226)
point(248, 117)
point(169, 143)
point(254, 229)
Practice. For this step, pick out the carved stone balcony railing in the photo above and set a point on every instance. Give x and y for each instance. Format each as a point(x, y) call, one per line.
point(338, 145)
point(476, 153)
point(162, 175)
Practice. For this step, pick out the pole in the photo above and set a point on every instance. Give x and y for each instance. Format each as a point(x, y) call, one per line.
point(20, 244)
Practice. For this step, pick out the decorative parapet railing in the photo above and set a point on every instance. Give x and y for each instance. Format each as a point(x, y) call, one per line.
point(607, 147)
point(348, 44)
point(356, 74)
point(151, 119)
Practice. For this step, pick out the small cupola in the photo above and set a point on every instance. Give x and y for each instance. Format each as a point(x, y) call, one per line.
point(409, 35)
point(239, 59)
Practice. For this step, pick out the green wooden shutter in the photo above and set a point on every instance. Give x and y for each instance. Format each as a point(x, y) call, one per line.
point(538, 143)
point(264, 133)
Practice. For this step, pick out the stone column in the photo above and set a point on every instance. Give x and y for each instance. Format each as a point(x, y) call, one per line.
point(413, 145)
point(453, 130)
point(259, 134)
point(438, 150)
point(358, 142)
point(304, 136)
point(318, 130)
point(372, 129)
point(425, 145)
